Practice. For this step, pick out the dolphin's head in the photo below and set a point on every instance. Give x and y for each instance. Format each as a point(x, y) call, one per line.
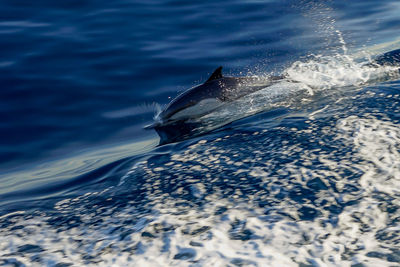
point(178, 104)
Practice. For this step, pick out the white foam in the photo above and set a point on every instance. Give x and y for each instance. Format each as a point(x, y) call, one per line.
point(378, 142)
point(175, 232)
point(327, 72)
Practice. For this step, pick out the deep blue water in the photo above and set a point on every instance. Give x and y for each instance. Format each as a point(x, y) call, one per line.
point(304, 173)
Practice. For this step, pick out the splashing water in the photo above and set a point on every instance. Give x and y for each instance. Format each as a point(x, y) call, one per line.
point(326, 72)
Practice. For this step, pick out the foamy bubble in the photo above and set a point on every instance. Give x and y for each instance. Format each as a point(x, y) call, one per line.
point(326, 72)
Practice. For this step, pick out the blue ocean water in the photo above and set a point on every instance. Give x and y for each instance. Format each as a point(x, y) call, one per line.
point(302, 173)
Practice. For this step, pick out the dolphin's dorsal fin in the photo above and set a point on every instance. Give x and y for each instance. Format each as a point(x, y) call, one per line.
point(217, 74)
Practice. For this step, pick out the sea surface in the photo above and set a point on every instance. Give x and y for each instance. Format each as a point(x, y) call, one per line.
point(302, 173)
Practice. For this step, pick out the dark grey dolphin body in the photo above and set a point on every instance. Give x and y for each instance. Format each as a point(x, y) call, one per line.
point(211, 94)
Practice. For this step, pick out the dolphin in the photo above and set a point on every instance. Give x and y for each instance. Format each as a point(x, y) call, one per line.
point(177, 121)
point(213, 93)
